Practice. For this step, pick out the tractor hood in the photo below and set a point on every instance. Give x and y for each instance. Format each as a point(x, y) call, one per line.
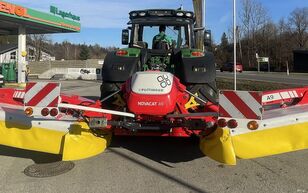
point(152, 83)
point(151, 93)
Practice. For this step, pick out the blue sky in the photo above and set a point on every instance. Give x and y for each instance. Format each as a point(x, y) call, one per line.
point(103, 20)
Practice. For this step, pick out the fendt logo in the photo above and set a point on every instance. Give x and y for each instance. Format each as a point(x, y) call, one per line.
point(164, 81)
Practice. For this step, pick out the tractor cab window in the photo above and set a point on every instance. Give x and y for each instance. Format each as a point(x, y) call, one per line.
point(176, 36)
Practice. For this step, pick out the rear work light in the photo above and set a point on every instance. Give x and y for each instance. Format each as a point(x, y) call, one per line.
point(197, 54)
point(45, 112)
point(232, 123)
point(252, 125)
point(29, 111)
point(199, 69)
point(119, 67)
point(121, 53)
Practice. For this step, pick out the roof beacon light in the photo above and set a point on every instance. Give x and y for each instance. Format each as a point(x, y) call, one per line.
point(134, 14)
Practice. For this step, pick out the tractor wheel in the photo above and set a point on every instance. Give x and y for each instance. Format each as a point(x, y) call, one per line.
point(207, 91)
point(107, 88)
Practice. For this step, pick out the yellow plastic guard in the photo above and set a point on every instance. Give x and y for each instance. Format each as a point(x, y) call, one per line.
point(218, 146)
point(37, 139)
point(79, 143)
point(271, 141)
point(224, 148)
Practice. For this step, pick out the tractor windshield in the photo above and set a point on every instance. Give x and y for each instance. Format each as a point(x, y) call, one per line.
point(176, 36)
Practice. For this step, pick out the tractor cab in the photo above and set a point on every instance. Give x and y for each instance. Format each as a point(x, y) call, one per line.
point(161, 40)
point(144, 27)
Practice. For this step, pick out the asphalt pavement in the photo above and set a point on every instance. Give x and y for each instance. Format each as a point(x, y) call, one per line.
point(292, 78)
point(147, 164)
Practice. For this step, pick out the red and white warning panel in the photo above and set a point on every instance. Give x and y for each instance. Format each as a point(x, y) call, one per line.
point(42, 94)
point(282, 96)
point(42, 98)
point(19, 94)
point(240, 104)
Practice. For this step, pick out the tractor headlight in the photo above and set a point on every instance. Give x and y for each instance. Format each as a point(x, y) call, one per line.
point(180, 14)
point(142, 14)
point(188, 15)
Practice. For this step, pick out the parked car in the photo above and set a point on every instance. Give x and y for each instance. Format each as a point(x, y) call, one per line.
point(229, 67)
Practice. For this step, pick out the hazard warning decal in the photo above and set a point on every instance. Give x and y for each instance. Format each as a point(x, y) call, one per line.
point(19, 94)
point(280, 96)
point(240, 104)
point(42, 94)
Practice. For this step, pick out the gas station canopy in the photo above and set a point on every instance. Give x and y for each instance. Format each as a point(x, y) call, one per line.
point(35, 22)
point(19, 20)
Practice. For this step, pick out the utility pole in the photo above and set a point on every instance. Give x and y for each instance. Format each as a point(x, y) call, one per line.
point(204, 23)
point(234, 42)
point(199, 12)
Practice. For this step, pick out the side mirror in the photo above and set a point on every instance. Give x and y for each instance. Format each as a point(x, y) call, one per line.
point(125, 36)
point(207, 38)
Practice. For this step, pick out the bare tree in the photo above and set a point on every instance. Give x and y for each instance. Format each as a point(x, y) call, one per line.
point(274, 40)
point(253, 17)
point(67, 48)
point(39, 41)
point(283, 46)
point(96, 51)
point(298, 22)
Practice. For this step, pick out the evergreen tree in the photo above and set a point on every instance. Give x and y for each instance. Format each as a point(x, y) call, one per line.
point(224, 41)
point(226, 48)
point(84, 53)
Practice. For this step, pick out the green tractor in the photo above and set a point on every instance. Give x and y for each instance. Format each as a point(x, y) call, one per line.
point(178, 54)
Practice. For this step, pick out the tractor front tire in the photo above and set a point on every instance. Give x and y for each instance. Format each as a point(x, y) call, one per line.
point(107, 88)
point(206, 91)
